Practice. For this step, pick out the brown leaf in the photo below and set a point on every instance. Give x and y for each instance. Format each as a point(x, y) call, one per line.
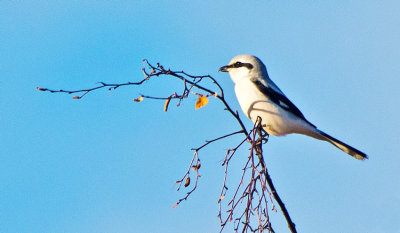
point(187, 182)
point(76, 97)
point(167, 103)
point(196, 167)
point(140, 99)
point(201, 102)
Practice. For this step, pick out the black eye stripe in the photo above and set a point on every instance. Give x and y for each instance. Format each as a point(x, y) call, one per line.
point(240, 64)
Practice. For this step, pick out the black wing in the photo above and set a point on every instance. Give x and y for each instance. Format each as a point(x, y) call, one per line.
point(279, 99)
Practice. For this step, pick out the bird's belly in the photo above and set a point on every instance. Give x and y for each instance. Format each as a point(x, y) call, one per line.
point(275, 120)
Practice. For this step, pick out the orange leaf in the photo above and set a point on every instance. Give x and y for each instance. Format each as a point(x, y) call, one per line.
point(167, 103)
point(76, 97)
point(196, 167)
point(176, 204)
point(201, 102)
point(140, 99)
point(187, 182)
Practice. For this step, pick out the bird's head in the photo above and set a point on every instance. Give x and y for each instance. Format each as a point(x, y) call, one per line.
point(244, 67)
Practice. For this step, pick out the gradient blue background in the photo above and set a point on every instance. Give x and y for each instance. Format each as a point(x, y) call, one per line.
point(107, 164)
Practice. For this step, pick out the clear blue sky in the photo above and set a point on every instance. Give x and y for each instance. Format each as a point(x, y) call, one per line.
point(107, 164)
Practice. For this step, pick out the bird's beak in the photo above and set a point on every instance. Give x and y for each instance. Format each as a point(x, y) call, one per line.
point(224, 69)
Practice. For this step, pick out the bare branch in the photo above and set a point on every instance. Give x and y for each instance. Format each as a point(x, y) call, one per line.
point(253, 186)
point(216, 139)
point(253, 193)
point(85, 91)
point(194, 165)
point(259, 153)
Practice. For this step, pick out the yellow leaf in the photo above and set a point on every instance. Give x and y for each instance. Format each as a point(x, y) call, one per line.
point(201, 102)
point(140, 99)
point(221, 197)
point(167, 103)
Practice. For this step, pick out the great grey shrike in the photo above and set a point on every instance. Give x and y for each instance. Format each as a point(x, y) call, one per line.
point(259, 96)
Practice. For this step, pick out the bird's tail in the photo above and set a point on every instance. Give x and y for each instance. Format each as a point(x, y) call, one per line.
point(343, 146)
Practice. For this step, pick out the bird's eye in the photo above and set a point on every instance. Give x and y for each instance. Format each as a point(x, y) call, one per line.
point(237, 64)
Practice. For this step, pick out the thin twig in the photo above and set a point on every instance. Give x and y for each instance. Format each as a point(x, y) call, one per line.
point(216, 139)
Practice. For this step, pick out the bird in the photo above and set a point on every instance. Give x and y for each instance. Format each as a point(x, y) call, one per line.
point(259, 96)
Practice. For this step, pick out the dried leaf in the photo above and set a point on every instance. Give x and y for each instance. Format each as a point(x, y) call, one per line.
point(201, 102)
point(176, 204)
point(216, 94)
point(140, 99)
point(221, 197)
point(187, 182)
point(196, 167)
point(167, 103)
